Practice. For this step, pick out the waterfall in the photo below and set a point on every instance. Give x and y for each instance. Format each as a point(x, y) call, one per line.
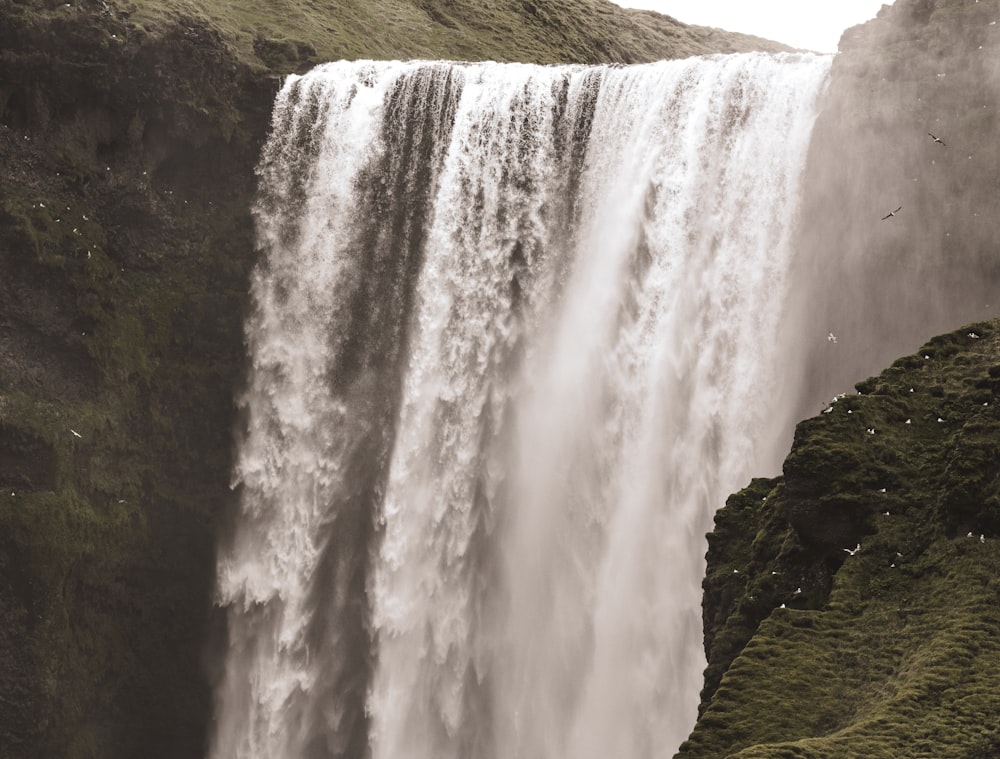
point(514, 336)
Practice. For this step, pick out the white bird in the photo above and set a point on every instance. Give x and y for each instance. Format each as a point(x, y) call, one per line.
point(870, 430)
point(75, 433)
point(982, 538)
point(892, 213)
point(881, 490)
point(940, 419)
point(856, 549)
point(798, 591)
point(908, 422)
point(938, 140)
point(973, 335)
point(832, 338)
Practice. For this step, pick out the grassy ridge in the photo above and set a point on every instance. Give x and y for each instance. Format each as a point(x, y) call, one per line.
point(128, 136)
point(302, 32)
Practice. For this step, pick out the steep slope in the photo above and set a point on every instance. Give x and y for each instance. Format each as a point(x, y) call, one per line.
point(851, 604)
point(128, 138)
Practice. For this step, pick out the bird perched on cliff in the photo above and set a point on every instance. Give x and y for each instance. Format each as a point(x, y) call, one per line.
point(892, 213)
point(938, 140)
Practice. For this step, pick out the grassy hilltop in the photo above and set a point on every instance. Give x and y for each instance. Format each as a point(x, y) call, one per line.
point(299, 33)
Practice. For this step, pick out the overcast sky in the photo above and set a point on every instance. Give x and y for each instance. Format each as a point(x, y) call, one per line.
point(810, 24)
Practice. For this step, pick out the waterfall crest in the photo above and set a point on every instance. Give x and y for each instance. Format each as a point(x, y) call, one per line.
point(513, 338)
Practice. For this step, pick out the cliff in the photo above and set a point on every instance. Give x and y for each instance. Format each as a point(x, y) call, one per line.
point(850, 604)
point(128, 138)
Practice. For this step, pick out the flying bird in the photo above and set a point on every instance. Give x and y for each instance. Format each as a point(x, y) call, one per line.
point(938, 140)
point(856, 549)
point(831, 337)
point(892, 213)
point(75, 433)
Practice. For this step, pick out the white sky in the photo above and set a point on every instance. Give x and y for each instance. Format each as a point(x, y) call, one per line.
point(810, 24)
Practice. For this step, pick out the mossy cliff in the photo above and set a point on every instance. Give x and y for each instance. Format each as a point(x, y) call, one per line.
point(851, 604)
point(129, 136)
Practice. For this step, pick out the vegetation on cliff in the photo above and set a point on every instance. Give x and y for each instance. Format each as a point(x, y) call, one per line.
point(851, 604)
point(125, 242)
point(295, 33)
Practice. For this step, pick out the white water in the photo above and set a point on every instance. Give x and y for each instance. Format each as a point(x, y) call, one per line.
point(514, 334)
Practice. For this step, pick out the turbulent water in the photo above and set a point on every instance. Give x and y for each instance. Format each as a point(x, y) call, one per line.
point(514, 334)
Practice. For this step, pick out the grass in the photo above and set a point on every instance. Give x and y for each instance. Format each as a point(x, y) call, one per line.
point(294, 34)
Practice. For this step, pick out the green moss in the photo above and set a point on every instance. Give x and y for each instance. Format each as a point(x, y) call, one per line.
point(889, 651)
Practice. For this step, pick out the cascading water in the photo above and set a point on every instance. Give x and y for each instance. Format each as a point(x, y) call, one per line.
point(513, 339)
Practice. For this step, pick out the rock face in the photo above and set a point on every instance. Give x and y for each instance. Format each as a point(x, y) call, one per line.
point(851, 604)
point(128, 143)
point(921, 68)
point(125, 243)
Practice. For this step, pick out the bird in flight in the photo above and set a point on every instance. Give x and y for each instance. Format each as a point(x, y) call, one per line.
point(891, 214)
point(938, 140)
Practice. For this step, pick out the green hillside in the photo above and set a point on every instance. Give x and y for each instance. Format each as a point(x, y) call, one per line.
point(290, 35)
point(851, 604)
